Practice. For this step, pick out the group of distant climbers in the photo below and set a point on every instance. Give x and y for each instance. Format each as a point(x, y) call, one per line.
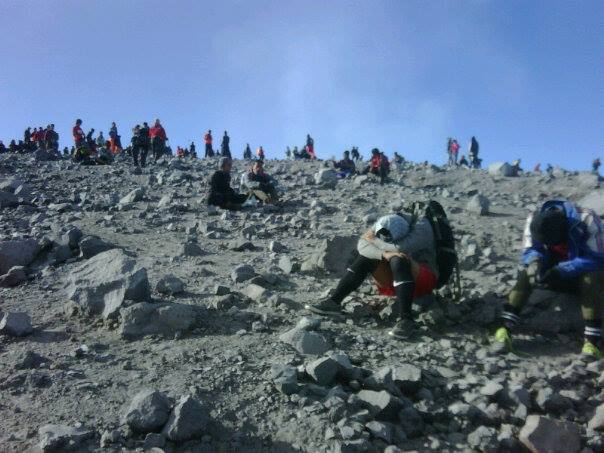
point(453, 153)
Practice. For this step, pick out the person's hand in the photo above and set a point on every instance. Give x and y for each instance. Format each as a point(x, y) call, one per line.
point(389, 255)
point(369, 235)
point(533, 272)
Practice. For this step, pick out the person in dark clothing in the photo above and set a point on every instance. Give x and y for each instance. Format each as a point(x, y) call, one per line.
point(134, 142)
point(192, 150)
point(144, 143)
point(473, 154)
point(225, 149)
point(261, 185)
point(247, 152)
point(66, 151)
point(221, 193)
point(345, 166)
point(2, 147)
point(595, 165)
point(27, 136)
point(90, 142)
point(463, 162)
point(356, 156)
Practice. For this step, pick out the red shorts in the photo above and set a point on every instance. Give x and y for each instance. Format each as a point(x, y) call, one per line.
point(425, 283)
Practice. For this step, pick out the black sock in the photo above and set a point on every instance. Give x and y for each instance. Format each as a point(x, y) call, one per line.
point(355, 276)
point(404, 298)
point(404, 285)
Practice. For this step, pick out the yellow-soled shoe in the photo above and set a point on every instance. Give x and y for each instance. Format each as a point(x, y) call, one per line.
point(503, 340)
point(591, 350)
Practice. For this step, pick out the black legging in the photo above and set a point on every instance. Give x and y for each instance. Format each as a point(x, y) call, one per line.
point(404, 285)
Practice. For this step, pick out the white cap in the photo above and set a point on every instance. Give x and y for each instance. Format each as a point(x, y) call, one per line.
point(396, 225)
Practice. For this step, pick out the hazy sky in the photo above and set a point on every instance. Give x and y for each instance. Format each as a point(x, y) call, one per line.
point(526, 77)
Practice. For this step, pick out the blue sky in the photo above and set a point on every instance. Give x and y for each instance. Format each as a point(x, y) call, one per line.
point(525, 77)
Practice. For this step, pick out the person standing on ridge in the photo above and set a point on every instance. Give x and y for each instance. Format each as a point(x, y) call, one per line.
point(473, 153)
point(595, 165)
point(158, 137)
point(114, 139)
point(144, 143)
point(225, 149)
point(208, 140)
point(310, 147)
point(247, 152)
point(260, 154)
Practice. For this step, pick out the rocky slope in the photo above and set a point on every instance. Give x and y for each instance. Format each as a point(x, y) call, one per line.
point(135, 317)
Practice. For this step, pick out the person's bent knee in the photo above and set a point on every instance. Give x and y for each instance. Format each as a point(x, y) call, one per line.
point(400, 265)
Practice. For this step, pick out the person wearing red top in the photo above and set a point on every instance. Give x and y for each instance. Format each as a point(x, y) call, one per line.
point(454, 152)
point(208, 140)
point(378, 165)
point(78, 133)
point(158, 137)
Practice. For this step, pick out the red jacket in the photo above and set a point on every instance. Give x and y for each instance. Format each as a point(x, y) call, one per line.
point(208, 139)
point(454, 148)
point(78, 134)
point(157, 131)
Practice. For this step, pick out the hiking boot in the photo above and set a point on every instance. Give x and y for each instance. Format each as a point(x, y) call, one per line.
point(326, 307)
point(591, 350)
point(503, 340)
point(403, 329)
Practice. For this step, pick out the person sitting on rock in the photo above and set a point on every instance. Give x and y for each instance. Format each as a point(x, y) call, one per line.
point(345, 166)
point(463, 162)
point(378, 165)
point(401, 255)
point(563, 252)
point(221, 193)
point(261, 185)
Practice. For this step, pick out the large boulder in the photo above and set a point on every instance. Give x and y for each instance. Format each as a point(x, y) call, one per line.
point(334, 255)
point(8, 200)
point(187, 421)
point(148, 411)
point(479, 204)
point(13, 277)
point(101, 285)
point(58, 438)
point(545, 435)
point(551, 312)
point(594, 200)
point(16, 324)
point(133, 196)
point(501, 169)
point(164, 319)
point(326, 178)
point(93, 245)
point(18, 252)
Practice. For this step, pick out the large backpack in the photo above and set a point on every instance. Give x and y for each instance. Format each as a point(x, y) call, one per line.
point(446, 256)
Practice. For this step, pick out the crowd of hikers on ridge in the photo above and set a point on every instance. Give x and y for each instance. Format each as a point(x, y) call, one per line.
point(408, 254)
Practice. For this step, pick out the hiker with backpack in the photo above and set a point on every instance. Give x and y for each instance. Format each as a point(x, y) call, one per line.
point(409, 255)
point(157, 135)
point(563, 252)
